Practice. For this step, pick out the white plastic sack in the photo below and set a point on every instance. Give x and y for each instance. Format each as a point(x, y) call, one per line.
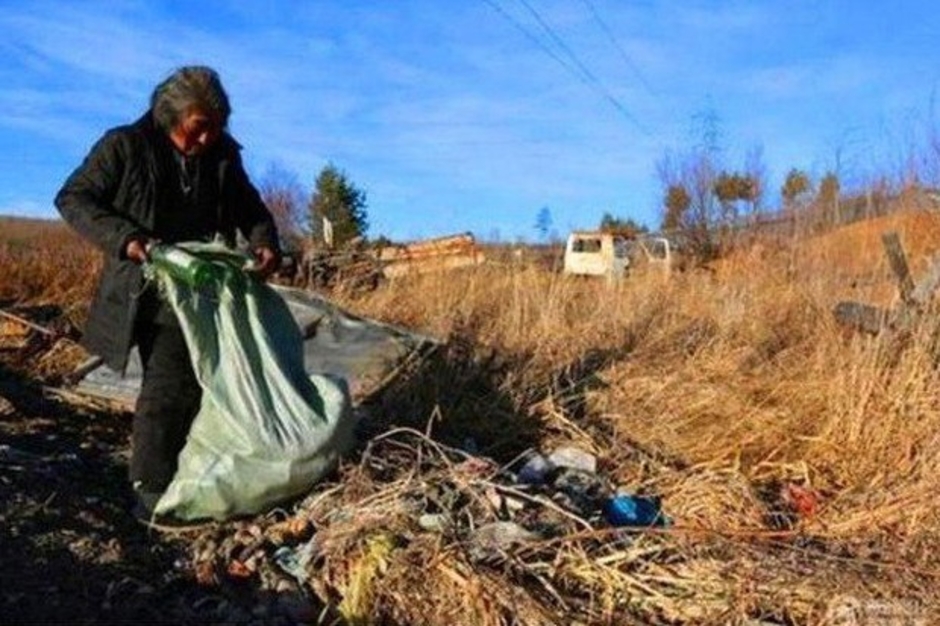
point(265, 431)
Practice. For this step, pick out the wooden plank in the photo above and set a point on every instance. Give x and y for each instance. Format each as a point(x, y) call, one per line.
point(25, 322)
point(861, 317)
point(870, 319)
point(898, 261)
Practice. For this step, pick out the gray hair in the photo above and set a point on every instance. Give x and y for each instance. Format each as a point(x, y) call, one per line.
point(188, 88)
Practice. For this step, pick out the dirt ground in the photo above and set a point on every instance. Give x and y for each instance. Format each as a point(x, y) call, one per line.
point(73, 553)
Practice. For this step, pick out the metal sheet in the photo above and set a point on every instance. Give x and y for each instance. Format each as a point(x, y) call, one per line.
point(367, 353)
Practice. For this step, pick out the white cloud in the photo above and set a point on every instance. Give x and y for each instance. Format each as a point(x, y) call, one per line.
point(431, 104)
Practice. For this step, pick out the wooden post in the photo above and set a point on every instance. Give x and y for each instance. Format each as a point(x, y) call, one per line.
point(898, 261)
point(871, 319)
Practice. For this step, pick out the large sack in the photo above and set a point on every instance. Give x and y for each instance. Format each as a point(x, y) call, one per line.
point(266, 430)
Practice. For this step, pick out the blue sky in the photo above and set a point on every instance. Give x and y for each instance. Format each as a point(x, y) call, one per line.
point(472, 115)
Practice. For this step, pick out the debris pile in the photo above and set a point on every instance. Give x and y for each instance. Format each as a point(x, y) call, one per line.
point(352, 268)
point(416, 512)
point(413, 531)
point(431, 255)
point(409, 531)
point(21, 328)
point(41, 340)
point(914, 298)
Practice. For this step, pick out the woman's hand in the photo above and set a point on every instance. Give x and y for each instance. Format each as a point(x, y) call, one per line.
point(266, 261)
point(136, 250)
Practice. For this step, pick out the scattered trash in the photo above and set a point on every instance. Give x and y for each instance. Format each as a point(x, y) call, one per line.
point(491, 540)
point(434, 522)
point(573, 458)
point(535, 470)
point(539, 468)
point(543, 495)
point(632, 510)
point(580, 491)
point(804, 502)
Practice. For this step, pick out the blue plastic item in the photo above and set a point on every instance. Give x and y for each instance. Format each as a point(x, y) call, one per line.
point(627, 510)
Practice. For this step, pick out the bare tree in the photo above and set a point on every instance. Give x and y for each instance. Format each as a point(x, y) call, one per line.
point(756, 171)
point(828, 198)
point(689, 202)
point(796, 188)
point(284, 197)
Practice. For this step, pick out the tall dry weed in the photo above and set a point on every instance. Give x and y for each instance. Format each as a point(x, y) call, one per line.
point(727, 391)
point(799, 461)
point(44, 262)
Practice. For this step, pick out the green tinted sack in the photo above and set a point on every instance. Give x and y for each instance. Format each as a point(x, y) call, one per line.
point(265, 431)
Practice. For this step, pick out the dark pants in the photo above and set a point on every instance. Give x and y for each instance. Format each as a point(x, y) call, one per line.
point(168, 401)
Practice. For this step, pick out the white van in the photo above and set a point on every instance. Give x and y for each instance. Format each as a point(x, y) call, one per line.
point(595, 253)
point(591, 253)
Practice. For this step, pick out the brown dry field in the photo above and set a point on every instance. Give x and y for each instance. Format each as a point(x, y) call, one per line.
point(798, 460)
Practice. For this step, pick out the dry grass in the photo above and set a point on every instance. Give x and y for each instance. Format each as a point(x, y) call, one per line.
point(720, 391)
point(729, 392)
point(43, 262)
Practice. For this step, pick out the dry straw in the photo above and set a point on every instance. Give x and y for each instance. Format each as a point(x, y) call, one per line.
point(798, 461)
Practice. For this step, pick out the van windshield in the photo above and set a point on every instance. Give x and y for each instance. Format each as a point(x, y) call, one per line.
point(586, 245)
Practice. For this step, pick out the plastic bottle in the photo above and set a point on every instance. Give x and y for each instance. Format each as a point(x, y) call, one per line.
point(183, 265)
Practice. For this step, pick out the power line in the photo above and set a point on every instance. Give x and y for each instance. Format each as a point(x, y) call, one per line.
point(559, 42)
point(591, 79)
point(575, 66)
point(613, 40)
point(538, 42)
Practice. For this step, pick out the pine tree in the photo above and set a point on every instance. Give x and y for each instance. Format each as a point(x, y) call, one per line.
point(339, 201)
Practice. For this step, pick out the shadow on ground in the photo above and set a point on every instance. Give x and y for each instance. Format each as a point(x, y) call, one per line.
point(71, 553)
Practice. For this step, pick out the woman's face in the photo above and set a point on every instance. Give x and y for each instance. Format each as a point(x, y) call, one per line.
point(196, 132)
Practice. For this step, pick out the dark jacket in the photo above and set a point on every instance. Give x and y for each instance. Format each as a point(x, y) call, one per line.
point(119, 193)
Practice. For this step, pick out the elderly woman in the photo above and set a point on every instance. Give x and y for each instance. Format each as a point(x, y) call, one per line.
point(173, 175)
